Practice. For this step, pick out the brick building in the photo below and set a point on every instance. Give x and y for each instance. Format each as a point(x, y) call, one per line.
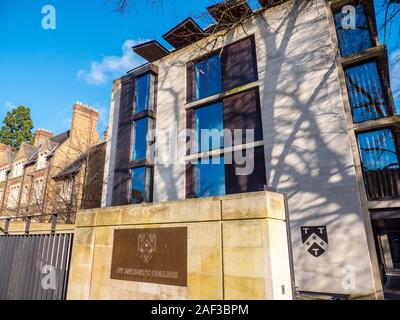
point(58, 173)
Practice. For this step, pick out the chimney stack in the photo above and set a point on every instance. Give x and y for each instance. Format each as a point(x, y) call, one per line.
point(41, 135)
point(84, 122)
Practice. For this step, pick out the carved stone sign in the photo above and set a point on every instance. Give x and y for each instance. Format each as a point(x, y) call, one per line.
point(150, 255)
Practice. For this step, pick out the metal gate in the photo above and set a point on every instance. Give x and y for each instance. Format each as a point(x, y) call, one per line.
point(34, 266)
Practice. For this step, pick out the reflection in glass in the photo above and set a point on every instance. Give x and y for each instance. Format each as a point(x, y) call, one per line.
point(138, 183)
point(142, 93)
point(208, 79)
point(209, 178)
point(209, 120)
point(394, 243)
point(140, 144)
point(378, 150)
point(353, 41)
point(366, 93)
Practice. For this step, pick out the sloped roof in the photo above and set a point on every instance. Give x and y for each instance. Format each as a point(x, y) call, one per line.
point(50, 144)
point(74, 167)
point(186, 32)
point(228, 12)
point(61, 138)
point(151, 50)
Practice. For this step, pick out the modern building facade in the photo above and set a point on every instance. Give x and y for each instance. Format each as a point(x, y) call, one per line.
point(296, 96)
point(57, 174)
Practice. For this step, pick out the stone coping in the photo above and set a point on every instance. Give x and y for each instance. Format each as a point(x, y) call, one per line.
point(254, 205)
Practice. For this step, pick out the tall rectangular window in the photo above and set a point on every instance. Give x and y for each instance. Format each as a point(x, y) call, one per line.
point(380, 163)
point(209, 178)
point(208, 126)
point(143, 93)
point(366, 92)
point(140, 185)
point(38, 190)
point(13, 197)
point(18, 169)
point(140, 134)
point(355, 40)
point(3, 174)
point(208, 79)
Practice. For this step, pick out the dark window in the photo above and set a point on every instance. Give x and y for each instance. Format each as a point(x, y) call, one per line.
point(138, 181)
point(353, 41)
point(380, 163)
point(250, 179)
point(142, 93)
point(239, 63)
point(366, 92)
point(140, 134)
point(209, 178)
point(242, 111)
point(394, 243)
point(209, 120)
point(208, 80)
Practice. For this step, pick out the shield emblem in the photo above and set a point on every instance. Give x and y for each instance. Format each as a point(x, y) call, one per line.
point(315, 239)
point(147, 244)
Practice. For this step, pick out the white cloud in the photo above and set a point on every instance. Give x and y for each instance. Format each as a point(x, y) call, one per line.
point(9, 105)
point(110, 66)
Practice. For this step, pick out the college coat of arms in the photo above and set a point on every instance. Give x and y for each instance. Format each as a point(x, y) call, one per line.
point(315, 239)
point(147, 246)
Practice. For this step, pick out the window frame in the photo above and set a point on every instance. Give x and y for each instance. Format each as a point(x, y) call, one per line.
point(371, 28)
point(388, 103)
point(151, 104)
point(132, 118)
point(190, 65)
point(148, 187)
point(396, 140)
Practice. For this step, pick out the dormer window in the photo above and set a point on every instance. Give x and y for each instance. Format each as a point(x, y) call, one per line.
point(18, 169)
point(41, 162)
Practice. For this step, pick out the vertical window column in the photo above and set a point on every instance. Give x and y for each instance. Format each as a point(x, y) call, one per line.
point(141, 170)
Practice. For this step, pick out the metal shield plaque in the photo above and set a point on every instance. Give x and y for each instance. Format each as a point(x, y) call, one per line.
point(150, 255)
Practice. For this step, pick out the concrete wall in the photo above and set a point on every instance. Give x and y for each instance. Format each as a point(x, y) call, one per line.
point(235, 250)
point(307, 149)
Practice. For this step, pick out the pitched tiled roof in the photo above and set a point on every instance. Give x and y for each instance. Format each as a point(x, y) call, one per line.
point(52, 145)
point(75, 166)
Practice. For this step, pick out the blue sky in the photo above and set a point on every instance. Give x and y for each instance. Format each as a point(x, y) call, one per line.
point(48, 70)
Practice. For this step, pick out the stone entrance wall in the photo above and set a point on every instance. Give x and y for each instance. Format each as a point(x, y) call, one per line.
point(237, 248)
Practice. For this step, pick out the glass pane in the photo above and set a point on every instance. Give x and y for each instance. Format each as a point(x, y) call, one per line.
point(208, 123)
point(394, 242)
point(209, 178)
point(138, 178)
point(366, 93)
point(353, 41)
point(208, 79)
point(378, 150)
point(140, 144)
point(142, 92)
